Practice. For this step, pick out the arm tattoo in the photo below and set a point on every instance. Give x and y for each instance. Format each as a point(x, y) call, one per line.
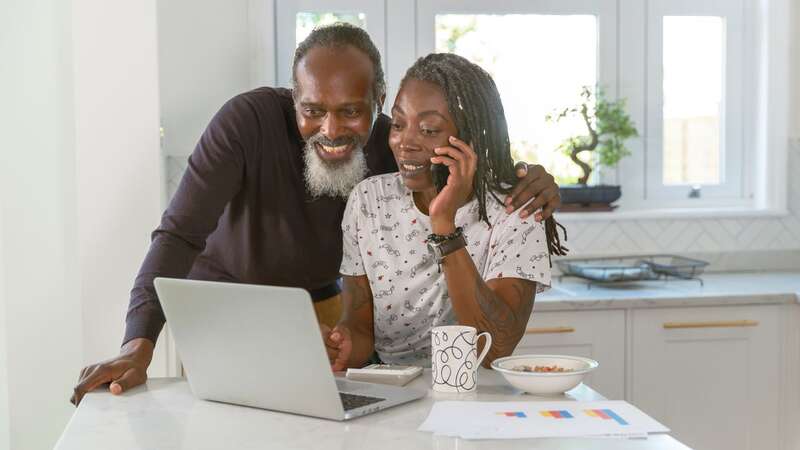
point(357, 315)
point(497, 314)
point(505, 323)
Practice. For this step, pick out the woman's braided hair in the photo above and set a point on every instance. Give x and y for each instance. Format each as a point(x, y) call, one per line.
point(475, 105)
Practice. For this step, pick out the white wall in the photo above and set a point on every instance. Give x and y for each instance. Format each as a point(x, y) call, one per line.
point(80, 187)
point(42, 332)
point(5, 429)
point(794, 75)
point(117, 152)
point(204, 54)
point(204, 60)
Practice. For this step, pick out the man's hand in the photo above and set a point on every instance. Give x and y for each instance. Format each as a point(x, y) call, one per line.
point(534, 182)
point(339, 344)
point(125, 371)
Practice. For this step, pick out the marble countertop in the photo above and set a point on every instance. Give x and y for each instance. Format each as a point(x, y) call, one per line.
point(569, 293)
point(164, 415)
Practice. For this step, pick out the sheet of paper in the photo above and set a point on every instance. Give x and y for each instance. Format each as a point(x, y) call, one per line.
point(514, 420)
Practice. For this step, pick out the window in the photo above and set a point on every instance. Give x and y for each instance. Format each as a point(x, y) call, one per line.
point(697, 76)
point(695, 102)
point(307, 21)
point(692, 90)
point(540, 55)
point(295, 19)
point(521, 68)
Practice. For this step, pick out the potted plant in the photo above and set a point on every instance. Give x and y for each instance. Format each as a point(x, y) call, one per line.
point(608, 126)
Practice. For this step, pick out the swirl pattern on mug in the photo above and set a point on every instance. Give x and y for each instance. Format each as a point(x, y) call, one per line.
point(453, 360)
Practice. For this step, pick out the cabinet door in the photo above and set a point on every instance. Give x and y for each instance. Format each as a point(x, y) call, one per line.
point(710, 374)
point(599, 335)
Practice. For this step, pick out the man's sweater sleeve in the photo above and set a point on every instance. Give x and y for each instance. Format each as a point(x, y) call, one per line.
point(213, 177)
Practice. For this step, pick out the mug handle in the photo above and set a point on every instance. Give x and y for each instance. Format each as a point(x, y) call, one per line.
point(486, 347)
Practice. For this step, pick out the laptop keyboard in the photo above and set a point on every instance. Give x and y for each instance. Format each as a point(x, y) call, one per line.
point(353, 401)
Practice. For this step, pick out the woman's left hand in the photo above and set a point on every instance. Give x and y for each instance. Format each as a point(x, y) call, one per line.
point(462, 162)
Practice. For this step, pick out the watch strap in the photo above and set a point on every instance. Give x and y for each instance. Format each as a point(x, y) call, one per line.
point(451, 245)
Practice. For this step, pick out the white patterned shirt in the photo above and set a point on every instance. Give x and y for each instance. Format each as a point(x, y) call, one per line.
point(384, 238)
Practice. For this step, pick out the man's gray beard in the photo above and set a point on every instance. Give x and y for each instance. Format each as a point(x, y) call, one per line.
point(333, 179)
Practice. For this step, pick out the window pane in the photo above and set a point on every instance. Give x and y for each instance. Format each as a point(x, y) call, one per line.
point(540, 63)
point(693, 82)
point(306, 21)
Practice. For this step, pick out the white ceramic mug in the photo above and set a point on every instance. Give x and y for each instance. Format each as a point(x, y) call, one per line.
point(454, 358)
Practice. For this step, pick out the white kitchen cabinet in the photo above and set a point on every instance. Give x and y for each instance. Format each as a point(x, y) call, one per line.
point(599, 335)
point(711, 374)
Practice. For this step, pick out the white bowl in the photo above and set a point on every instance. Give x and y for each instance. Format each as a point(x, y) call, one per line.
point(544, 383)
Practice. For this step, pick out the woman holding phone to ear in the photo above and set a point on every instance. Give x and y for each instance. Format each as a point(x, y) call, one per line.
point(433, 244)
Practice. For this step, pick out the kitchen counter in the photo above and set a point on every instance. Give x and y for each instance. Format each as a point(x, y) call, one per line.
point(744, 288)
point(164, 415)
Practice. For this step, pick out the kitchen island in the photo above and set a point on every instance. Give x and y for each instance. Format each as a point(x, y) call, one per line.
point(164, 415)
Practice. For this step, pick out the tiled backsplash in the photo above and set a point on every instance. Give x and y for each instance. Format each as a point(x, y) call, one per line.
point(766, 241)
point(694, 235)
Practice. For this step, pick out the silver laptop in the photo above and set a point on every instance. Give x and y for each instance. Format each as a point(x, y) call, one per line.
point(260, 346)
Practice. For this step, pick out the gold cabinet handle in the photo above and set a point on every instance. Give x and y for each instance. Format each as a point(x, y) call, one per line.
point(549, 330)
point(714, 324)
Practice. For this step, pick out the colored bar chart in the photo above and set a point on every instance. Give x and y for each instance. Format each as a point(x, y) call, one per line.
point(557, 414)
point(606, 414)
point(519, 414)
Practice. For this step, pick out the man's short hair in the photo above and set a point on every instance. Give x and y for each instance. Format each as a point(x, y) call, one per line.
point(341, 34)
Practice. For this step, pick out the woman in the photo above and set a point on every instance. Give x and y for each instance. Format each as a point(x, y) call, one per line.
point(416, 256)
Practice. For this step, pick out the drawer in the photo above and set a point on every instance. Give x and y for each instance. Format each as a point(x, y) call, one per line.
point(599, 335)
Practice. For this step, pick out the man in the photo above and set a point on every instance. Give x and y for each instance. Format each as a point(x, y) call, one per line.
point(262, 199)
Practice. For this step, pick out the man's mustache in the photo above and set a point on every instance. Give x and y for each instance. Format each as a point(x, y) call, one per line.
point(321, 139)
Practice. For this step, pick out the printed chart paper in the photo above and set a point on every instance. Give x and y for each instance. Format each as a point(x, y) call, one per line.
point(515, 420)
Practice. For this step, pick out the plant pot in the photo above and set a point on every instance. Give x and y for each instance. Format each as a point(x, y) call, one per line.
point(579, 197)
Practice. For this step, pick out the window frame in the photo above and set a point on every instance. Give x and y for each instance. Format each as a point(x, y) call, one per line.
point(605, 10)
point(625, 67)
point(286, 22)
point(733, 188)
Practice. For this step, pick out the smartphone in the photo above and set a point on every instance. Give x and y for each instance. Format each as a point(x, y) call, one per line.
point(440, 174)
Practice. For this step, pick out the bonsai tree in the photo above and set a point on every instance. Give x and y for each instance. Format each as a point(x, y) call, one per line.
point(608, 126)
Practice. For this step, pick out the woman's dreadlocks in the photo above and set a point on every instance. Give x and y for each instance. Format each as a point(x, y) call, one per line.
point(475, 105)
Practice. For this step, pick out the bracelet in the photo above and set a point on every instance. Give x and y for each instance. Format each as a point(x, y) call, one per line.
point(438, 238)
point(442, 245)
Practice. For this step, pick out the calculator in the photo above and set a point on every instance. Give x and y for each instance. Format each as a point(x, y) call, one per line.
point(385, 374)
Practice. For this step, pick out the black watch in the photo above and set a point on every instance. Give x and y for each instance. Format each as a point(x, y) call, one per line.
point(443, 248)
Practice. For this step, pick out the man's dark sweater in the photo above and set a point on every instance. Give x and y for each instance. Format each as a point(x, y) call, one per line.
point(242, 213)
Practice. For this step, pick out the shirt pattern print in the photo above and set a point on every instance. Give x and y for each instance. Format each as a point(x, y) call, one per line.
point(384, 238)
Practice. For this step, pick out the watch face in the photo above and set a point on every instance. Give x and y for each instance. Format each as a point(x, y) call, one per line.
point(435, 251)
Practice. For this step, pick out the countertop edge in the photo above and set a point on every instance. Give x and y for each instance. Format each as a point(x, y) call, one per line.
point(580, 304)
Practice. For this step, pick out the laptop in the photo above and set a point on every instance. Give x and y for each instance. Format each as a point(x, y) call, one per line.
point(260, 346)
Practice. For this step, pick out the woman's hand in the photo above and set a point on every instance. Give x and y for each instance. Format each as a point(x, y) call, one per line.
point(462, 162)
point(338, 344)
